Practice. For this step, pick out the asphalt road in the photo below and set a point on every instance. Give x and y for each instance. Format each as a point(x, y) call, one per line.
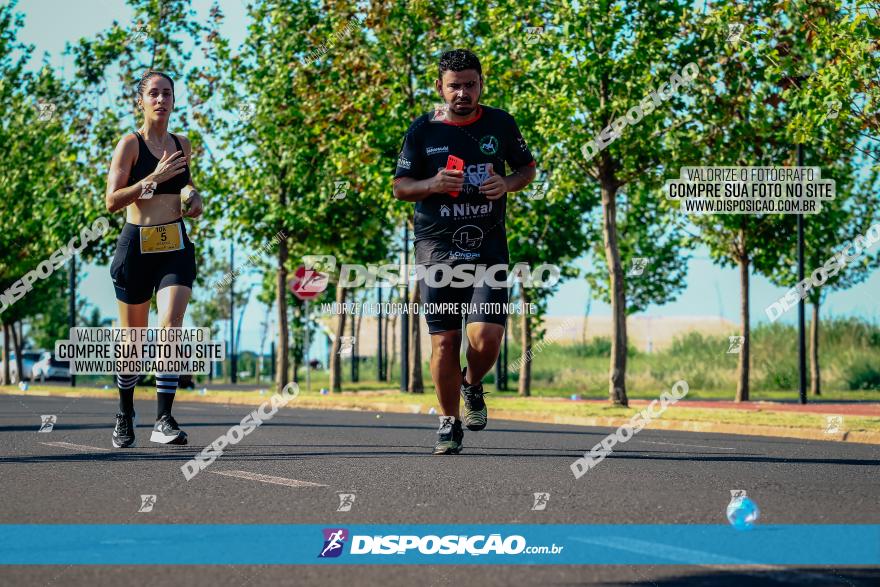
point(292, 469)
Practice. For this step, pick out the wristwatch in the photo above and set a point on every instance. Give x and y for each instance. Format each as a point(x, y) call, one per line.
point(147, 189)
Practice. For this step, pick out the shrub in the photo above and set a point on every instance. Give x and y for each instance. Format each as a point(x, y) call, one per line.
point(862, 375)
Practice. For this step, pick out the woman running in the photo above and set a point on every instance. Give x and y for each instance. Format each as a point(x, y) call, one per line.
point(150, 178)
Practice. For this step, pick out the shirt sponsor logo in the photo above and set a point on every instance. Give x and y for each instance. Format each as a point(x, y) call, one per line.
point(434, 150)
point(476, 174)
point(465, 210)
point(468, 238)
point(489, 145)
point(403, 162)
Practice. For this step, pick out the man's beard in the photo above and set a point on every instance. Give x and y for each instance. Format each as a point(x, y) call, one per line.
point(463, 109)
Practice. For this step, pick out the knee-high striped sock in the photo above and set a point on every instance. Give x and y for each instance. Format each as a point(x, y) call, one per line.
point(125, 384)
point(166, 387)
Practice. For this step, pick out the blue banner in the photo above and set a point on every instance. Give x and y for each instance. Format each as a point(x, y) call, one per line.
point(517, 544)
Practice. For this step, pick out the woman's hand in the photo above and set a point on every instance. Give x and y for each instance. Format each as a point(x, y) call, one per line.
point(193, 205)
point(168, 167)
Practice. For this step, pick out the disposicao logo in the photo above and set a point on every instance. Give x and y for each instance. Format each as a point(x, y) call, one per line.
point(443, 545)
point(334, 540)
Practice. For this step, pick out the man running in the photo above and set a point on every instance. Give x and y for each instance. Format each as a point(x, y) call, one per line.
point(467, 227)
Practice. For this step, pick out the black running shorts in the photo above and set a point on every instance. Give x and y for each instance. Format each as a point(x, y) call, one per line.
point(151, 257)
point(445, 307)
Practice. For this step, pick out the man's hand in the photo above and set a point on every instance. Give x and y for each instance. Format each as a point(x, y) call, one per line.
point(447, 181)
point(494, 187)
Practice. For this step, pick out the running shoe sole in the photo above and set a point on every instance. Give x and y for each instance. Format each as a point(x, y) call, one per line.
point(447, 450)
point(159, 437)
point(121, 445)
point(475, 420)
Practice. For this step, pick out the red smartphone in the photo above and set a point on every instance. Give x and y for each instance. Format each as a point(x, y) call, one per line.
point(453, 163)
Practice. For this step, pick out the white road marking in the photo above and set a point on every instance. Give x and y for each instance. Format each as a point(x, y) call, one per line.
point(674, 553)
point(686, 556)
point(267, 478)
point(72, 446)
point(690, 445)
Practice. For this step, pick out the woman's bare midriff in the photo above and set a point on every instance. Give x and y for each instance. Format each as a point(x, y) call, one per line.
point(159, 209)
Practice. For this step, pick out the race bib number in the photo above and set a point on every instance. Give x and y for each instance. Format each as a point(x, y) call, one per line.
point(161, 239)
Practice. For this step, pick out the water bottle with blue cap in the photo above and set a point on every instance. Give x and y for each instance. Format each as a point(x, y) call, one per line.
point(742, 512)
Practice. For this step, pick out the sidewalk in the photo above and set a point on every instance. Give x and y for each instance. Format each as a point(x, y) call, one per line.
point(854, 408)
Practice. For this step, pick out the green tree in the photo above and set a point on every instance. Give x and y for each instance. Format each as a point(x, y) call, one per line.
point(844, 88)
point(40, 207)
point(850, 214)
point(541, 231)
point(272, 154)
point(605, 57)
point(752, 100)
point(654, 247)
point(834, 113)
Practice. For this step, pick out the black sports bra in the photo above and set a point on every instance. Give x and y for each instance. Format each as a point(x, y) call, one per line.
point(146, 164)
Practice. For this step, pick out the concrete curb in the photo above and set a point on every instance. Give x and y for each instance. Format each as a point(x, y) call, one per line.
point(856, 436)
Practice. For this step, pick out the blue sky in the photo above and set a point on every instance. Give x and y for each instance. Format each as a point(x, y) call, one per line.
point(710, 291)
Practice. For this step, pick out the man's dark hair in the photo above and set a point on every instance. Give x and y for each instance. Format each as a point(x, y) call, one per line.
point(459, 60)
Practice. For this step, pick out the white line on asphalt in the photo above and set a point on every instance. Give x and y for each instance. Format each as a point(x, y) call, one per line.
point(690, 445)
point(687, 555)
point(268, 478)
point(72, 446)
point(672, 553)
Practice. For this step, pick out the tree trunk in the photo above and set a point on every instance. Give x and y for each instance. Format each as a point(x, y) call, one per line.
point(617, 381)
point(416, 384)
point(291, 359)
point(263, 333)
point(283, 329)
point(390, 346)
point(380, 375)
point(335, 359)
point(5, 374)
point(525, 369)
point(16, 341)
point(355, 351)
point(295, 348)
point(516, 325)
point(355, 376)
point(815, 385)
point(742, 386)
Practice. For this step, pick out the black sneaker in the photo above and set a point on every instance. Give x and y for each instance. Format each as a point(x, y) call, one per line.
point(123, 433)
point(166, 431)
point(475, 413)
point(450, 436)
